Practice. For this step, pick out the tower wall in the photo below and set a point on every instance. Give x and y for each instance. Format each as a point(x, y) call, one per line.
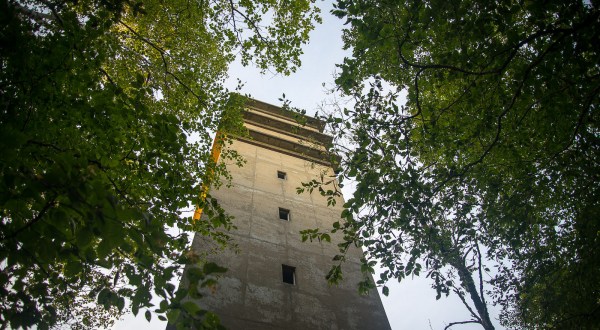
point(253, 294)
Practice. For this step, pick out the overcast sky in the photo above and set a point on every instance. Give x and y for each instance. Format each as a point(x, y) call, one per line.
point(411, 304)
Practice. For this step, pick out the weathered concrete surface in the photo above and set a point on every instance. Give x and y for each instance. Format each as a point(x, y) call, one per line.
point(252, 295)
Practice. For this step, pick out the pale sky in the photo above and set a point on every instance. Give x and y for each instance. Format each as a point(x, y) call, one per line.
point(411, 304)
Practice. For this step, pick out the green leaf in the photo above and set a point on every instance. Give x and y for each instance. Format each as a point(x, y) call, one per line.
point(173, 315)
point(191, 307)
point(135, 308)
point(84, 238)
point(103, 296)
point(121, 303)
point(211, 267)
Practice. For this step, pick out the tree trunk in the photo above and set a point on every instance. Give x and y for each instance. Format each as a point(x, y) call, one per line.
point(469, 285)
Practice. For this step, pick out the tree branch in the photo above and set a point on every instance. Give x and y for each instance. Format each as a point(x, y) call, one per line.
point(164, 60)
point(37, 218)
point(464, 301)
point(461, 322)
point(586, 109)
point(511, 104)
point(479, 266)
point(107, 77)
point(468, 284)
point(247, 20)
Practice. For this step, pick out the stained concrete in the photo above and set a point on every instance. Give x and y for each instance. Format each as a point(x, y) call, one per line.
point(252, 295)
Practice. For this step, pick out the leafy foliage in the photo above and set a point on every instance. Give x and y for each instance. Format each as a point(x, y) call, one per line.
point(493, 157)
point(99, 99)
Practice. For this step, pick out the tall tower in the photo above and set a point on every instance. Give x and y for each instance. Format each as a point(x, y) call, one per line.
point(276, 281)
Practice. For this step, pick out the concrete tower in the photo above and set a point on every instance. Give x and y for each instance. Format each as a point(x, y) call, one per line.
point(276, 281)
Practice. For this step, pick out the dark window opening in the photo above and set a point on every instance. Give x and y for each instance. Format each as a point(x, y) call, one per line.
point(284, 214)
point(281, 175)
point(289, 274)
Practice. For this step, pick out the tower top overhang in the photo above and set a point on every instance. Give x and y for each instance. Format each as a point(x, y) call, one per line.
point(288, 132)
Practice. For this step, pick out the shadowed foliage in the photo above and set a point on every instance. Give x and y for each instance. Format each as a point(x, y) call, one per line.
point(106, 112)
point(493, 159)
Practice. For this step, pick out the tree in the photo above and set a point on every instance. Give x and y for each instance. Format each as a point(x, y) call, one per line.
point(99, 99)
point(493, 159)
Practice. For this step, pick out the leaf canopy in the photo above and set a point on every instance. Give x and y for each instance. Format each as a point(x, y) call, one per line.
point(99, 101)
point(493, 156)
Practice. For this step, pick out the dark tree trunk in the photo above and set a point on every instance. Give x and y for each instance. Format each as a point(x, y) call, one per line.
point(469, 285)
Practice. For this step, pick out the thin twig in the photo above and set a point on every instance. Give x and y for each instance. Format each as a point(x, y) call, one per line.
point(461, 322)
point(462, 298)
point(164, 60)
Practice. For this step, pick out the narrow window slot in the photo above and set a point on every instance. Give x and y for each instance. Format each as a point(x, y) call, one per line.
point(284, 214)
point(289, 274)
point(281, 175)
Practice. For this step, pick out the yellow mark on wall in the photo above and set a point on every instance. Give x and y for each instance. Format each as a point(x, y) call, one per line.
point(215, 153)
